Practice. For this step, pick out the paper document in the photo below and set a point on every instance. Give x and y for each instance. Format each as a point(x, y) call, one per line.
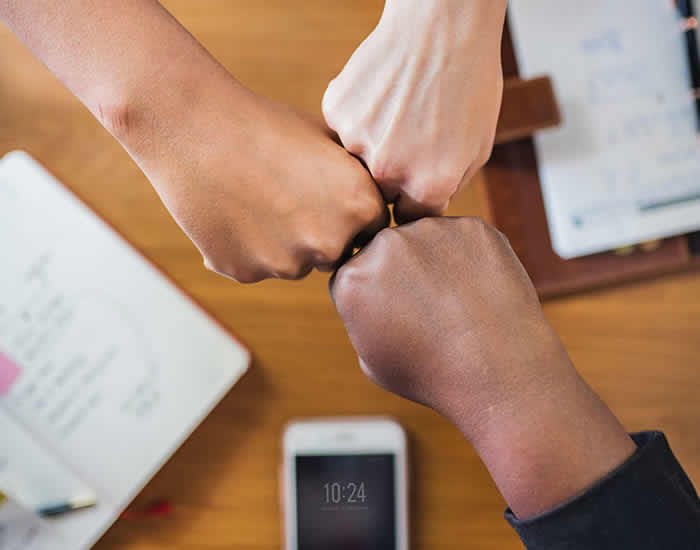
point(625, 165)
point(31, 472)
point(105, 366)
point(21, 529)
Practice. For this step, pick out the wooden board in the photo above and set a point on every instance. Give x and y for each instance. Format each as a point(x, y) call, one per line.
point(636, 345)
point(516, 205)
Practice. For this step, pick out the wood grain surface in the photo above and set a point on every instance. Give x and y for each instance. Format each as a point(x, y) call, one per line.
point(639, 345)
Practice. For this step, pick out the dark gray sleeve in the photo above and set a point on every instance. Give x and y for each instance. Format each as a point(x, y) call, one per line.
point(647, 503)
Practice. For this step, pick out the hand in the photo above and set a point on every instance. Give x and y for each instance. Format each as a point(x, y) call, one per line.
point(419, 100)
point(441, 311)
point(261, 190)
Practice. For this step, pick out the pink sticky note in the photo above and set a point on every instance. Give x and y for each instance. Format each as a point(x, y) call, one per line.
point(9, 372)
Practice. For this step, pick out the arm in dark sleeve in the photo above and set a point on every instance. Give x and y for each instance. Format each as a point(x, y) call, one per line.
point(646, 503)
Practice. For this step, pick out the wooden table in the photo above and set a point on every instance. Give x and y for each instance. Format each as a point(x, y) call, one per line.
point(639, 346)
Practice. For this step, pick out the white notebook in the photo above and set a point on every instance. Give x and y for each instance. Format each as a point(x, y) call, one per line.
point(624, 167)
point(105, 366)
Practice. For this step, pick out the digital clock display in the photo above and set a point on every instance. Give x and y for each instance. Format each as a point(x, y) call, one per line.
point(345, 502)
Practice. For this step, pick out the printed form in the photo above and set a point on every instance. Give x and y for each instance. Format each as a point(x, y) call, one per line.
point(624, 167)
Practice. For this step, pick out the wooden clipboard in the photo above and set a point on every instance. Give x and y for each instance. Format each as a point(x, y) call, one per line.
point(516, 206)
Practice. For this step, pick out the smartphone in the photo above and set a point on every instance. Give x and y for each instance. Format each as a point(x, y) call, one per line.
point(344, 485)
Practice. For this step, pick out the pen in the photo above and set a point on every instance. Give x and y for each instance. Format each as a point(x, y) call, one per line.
point(687, 9)
point(60, 508)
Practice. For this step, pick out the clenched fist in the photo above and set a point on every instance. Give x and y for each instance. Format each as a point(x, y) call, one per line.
point(440, 311)
point(270, 197)
point(419, 100)
point(261, 190)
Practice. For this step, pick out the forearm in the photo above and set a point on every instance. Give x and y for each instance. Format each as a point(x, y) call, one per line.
point(550, 441)
point(468, 21)
point(131, 63)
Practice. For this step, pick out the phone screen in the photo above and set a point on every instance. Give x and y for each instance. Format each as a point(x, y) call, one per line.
point(346, 502)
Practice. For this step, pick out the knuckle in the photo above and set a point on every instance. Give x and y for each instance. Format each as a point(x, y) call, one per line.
point(473, 225)
point(427, 227)
point(430, 221)
point(352, 143)
point(277, 262)
point(389, 240)
point(350, 283)
point(329, 253)
point(347, 132)
point(478, 228)
point(324, 248)
point(369, 210)
point(384, 169)
point(291, 269)
point(436, 191)
point(228, 269)
point(432, 196)
point(447, 183)
point(363, 201)
point(246, 277)
point(291, 274)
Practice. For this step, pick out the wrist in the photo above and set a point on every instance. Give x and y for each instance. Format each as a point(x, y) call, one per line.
point(484, 17)
point(547, 437)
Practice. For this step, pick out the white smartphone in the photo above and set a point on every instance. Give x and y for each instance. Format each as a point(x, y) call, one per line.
point(345, 485)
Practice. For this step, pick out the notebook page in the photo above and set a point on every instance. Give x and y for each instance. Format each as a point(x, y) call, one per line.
point(625, 165)
point(116, 366)
point(20, 529)
point(32, 473)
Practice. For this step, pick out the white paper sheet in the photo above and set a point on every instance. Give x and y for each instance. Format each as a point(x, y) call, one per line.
point(31, 472)
point(21, 529)
point(625, 165)
point(106, 363)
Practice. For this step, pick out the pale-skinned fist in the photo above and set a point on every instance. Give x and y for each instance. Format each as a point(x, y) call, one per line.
point(419, 100)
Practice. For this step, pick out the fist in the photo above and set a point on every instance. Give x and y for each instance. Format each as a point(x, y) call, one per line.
point(440, 311)
point(269, 196)
point(419, 100)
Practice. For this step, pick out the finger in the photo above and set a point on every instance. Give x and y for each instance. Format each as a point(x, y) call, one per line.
point(406, 209)
point(333, 278)
point(347, 261)
point(382, 220)
point(359, 241)
point(344, 257)
point(294, 274)
point(390, 191)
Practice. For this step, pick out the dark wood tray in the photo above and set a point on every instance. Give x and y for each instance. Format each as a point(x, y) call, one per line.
point(516, 206)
